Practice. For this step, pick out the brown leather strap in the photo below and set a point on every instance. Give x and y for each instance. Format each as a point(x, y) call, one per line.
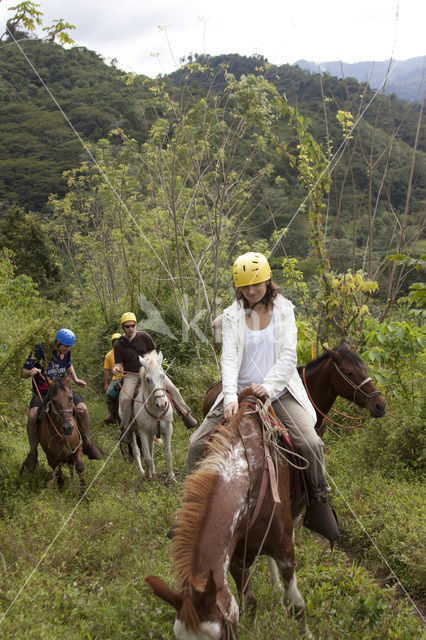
point(268, 473)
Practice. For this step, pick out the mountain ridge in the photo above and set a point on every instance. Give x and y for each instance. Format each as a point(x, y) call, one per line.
point(406, 78)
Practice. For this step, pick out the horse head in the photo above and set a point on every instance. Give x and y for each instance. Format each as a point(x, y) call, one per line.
point(200, 614)
point(60, 403)
point(352, 380)
point(153, 379)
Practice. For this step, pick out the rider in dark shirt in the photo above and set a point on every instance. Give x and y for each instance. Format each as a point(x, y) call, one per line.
point(127, 350)
point(57, 364)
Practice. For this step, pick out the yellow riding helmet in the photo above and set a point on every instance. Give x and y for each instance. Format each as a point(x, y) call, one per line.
point(128, 317)
point(251, 268)
point(115, 336)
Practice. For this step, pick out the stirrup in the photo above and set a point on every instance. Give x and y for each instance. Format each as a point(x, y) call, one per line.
point(321, 518)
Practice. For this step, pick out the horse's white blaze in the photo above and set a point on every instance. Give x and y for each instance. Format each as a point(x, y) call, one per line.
point(207, 631)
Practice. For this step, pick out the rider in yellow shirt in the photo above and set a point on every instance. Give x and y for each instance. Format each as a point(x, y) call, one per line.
point(112, 388)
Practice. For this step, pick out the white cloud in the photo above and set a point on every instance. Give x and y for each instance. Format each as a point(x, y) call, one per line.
point(283, 31)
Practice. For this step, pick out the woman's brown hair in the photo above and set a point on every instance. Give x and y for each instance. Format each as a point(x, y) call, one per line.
point(270, 294)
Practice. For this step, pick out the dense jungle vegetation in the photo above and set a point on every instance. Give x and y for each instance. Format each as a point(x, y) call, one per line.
point(144, 210)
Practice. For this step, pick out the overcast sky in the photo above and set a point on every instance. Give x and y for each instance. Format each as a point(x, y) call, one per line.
point(151, 36)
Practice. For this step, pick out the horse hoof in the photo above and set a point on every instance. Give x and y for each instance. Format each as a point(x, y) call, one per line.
point(29, 463)
point(79, 467)
point(171, 480)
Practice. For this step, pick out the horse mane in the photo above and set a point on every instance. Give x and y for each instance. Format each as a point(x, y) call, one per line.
point(151, 358)
point(188, 613)
point(343, 349)
point(198, 489)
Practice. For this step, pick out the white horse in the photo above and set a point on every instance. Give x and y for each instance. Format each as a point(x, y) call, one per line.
point(153, 412)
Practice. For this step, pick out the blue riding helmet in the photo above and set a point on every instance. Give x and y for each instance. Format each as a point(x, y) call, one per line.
point(66, 337)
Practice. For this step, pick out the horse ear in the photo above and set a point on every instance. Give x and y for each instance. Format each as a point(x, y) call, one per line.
point(50, 382)
point(332, 353)
point(159, 358)
point(210, 591)
point(164, 592)
point(143, 362)
point(67, 380)
point(346, 344)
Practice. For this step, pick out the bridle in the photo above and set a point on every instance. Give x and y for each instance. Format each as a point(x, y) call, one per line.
point(357, 387)
point(161, 415)
point(228, 623)
point(60, 413)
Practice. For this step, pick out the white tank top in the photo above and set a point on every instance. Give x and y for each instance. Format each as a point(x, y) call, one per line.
point(258, 356)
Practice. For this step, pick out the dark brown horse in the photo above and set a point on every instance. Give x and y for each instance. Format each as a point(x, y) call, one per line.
point(59, 435)
point(220, 528)
point(338, 372)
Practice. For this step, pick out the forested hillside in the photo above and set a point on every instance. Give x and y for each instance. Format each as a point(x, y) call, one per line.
point(377, 170)
point(44, 90)
point(142, 205)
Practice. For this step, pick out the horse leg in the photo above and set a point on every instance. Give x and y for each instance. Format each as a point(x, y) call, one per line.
point(275, 576)
point(241, 575)
point(168, 453)
point(293, 599)
point(59, 477)
point(82, 482)
point(137, 454)
point(79, 467)
point(147, 450)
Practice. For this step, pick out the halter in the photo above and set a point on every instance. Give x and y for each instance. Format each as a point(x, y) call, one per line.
point(50, 405)
point(227, 622)
point(357, 387)
point(158, 418)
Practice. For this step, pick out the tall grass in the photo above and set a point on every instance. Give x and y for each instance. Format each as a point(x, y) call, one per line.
point(90, 582)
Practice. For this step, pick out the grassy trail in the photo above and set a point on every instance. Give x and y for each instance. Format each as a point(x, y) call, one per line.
point(92, 559)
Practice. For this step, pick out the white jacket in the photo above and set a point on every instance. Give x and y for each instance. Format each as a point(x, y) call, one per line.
point(283, 374)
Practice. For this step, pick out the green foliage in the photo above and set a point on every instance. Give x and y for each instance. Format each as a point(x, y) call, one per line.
point(28, 14)
point(342, 304)
point(399, 349)
point(34, 253)
point(38, 144)
point(23, 322)
point(383, 513)
point(416, 298)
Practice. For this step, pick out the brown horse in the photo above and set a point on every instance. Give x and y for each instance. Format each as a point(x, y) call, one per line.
point(227, 520)
point(338, 372)
point(59, 435)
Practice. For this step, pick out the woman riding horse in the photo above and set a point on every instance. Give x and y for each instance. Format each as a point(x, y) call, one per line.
point(259, 341)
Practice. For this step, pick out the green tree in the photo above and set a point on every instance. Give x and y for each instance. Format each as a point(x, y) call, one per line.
point(34, 252)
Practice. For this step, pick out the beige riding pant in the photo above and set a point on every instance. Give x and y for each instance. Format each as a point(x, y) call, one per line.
point(129, 383)
point(301, 428)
